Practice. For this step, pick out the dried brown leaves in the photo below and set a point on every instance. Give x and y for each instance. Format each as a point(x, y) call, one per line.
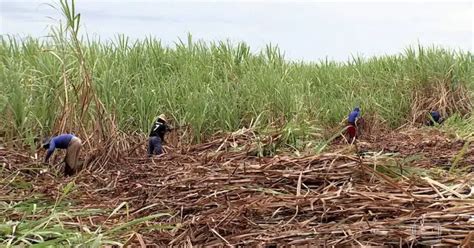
point(219, 195)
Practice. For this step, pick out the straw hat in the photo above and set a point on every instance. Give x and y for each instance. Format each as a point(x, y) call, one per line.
point(162, 117)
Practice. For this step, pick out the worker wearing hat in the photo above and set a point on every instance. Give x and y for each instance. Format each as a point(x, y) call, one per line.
point(72, 144)
point(157, 136)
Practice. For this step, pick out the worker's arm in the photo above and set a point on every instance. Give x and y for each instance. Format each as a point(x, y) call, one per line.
point(50, 151)
point(169, 128)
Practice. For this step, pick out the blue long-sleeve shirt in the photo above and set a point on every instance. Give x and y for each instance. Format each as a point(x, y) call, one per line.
point(354, 115)
point(60, 142)
point(436, 118)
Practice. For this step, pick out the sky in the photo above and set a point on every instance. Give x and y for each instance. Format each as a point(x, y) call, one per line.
point(304, 30)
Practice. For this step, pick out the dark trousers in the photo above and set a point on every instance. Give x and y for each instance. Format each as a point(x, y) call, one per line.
point(154, 146)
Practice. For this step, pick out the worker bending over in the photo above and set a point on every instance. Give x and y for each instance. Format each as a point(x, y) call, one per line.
point(352, 124)
point(157, 136)
point(435, 118)
point(72, 144)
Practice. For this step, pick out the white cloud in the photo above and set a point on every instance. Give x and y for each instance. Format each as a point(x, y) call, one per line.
point(303, 29)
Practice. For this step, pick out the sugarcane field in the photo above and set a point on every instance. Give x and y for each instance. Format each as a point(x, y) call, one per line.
point(127, 142)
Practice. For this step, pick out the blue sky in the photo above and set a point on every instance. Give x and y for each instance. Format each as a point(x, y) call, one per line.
point(305, 30)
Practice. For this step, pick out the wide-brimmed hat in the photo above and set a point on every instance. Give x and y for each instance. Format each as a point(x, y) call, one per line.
point(162, 117)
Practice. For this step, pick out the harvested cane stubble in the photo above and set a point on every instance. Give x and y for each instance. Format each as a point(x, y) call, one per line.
point(217, 196)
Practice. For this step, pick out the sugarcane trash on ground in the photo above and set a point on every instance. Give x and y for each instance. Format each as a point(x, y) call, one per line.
point(227, 197)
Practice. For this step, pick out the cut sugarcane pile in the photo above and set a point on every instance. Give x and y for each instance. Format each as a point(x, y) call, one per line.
point(216, 196)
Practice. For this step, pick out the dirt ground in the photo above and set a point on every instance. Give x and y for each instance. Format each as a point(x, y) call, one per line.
point(218, 196)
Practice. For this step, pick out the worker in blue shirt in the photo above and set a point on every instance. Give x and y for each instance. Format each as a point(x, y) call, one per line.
point(353, 116)
point(157, 136)
point(435, 117)
point(72, 144)
point(352, 124)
